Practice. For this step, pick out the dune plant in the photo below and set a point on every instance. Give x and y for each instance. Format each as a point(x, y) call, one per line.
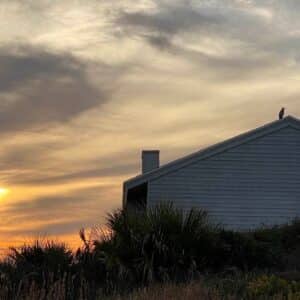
point(163, 244)
point(41, 256)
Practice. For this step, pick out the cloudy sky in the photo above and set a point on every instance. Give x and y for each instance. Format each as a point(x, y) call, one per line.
point(85, 85)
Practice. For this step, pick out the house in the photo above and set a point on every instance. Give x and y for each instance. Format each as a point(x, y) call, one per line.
point(244, 182)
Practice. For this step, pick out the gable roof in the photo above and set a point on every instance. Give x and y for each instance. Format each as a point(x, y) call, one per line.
point(269, 128)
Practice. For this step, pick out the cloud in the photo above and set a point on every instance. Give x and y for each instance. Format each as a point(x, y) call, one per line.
point(117, 170)
point(226, 40)
point(26, 155)
point(36, 162)
point(207, 18)
point(167, 21)
point(61, 214)
point(34, 176)
point(40, 87)
point(171, 19)
point(22, 64)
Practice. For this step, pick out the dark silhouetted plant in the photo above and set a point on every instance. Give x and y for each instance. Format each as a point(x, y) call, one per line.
point(163, 244)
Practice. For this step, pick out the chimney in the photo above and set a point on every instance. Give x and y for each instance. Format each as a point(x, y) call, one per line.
point(150, 160)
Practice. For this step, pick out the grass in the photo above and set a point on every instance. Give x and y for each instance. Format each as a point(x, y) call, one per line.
point(194, 290)
point(261, 287)
point(197, 290)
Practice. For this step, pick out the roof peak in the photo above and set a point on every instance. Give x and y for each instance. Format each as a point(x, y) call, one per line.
point(221, 146)
point(290, 117)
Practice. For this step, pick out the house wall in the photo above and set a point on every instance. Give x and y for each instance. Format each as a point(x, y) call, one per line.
point(251, 184)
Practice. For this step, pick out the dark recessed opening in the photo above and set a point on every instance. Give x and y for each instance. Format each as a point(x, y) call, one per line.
point(137, 197)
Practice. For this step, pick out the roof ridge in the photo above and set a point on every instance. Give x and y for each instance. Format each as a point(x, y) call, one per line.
point(248, 135)
point(290, 117)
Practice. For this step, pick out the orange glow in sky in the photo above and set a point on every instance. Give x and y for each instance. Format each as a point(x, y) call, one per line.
point(3, 192)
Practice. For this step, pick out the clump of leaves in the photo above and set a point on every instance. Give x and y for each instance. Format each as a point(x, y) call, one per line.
point(163, 244)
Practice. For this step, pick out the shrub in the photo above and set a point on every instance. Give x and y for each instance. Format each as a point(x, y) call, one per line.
point(282, 243)
point(87, 265)
point(270, 285)
point(40, 263)
point(163, 244)
point(42, 258)
point(243, 251)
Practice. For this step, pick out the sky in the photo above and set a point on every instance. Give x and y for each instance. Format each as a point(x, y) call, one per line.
point(86, 85)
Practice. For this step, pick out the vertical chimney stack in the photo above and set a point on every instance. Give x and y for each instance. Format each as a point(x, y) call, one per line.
point(150, 160)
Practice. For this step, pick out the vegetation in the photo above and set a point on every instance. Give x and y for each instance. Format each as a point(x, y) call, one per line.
point(164, 252)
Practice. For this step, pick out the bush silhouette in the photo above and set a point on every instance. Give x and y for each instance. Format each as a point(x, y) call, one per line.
point(136, 249)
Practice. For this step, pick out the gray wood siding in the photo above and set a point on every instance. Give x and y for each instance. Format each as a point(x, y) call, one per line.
point(246, 186)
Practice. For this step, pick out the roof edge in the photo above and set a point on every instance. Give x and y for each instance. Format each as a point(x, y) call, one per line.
point(216, 148)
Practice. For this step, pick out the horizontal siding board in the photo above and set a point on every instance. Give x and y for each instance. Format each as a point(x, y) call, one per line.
point(245, 186)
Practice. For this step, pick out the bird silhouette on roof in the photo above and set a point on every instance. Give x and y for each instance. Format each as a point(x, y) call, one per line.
point(281, 113)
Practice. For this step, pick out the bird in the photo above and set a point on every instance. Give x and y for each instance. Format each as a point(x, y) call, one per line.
point(281, 113)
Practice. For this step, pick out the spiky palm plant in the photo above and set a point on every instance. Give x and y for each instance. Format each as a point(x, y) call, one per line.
point(163, 244)
point(41, 261)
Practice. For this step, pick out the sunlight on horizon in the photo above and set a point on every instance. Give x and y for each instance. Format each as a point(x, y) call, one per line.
point(3, 192)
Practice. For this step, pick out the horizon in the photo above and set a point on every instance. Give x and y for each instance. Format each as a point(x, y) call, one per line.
point(87, 85)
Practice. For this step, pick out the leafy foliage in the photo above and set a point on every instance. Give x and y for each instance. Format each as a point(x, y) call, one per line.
point(139, 249)
point(164, 244)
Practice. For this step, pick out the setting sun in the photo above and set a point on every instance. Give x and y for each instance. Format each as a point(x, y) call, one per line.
point(3, 192)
